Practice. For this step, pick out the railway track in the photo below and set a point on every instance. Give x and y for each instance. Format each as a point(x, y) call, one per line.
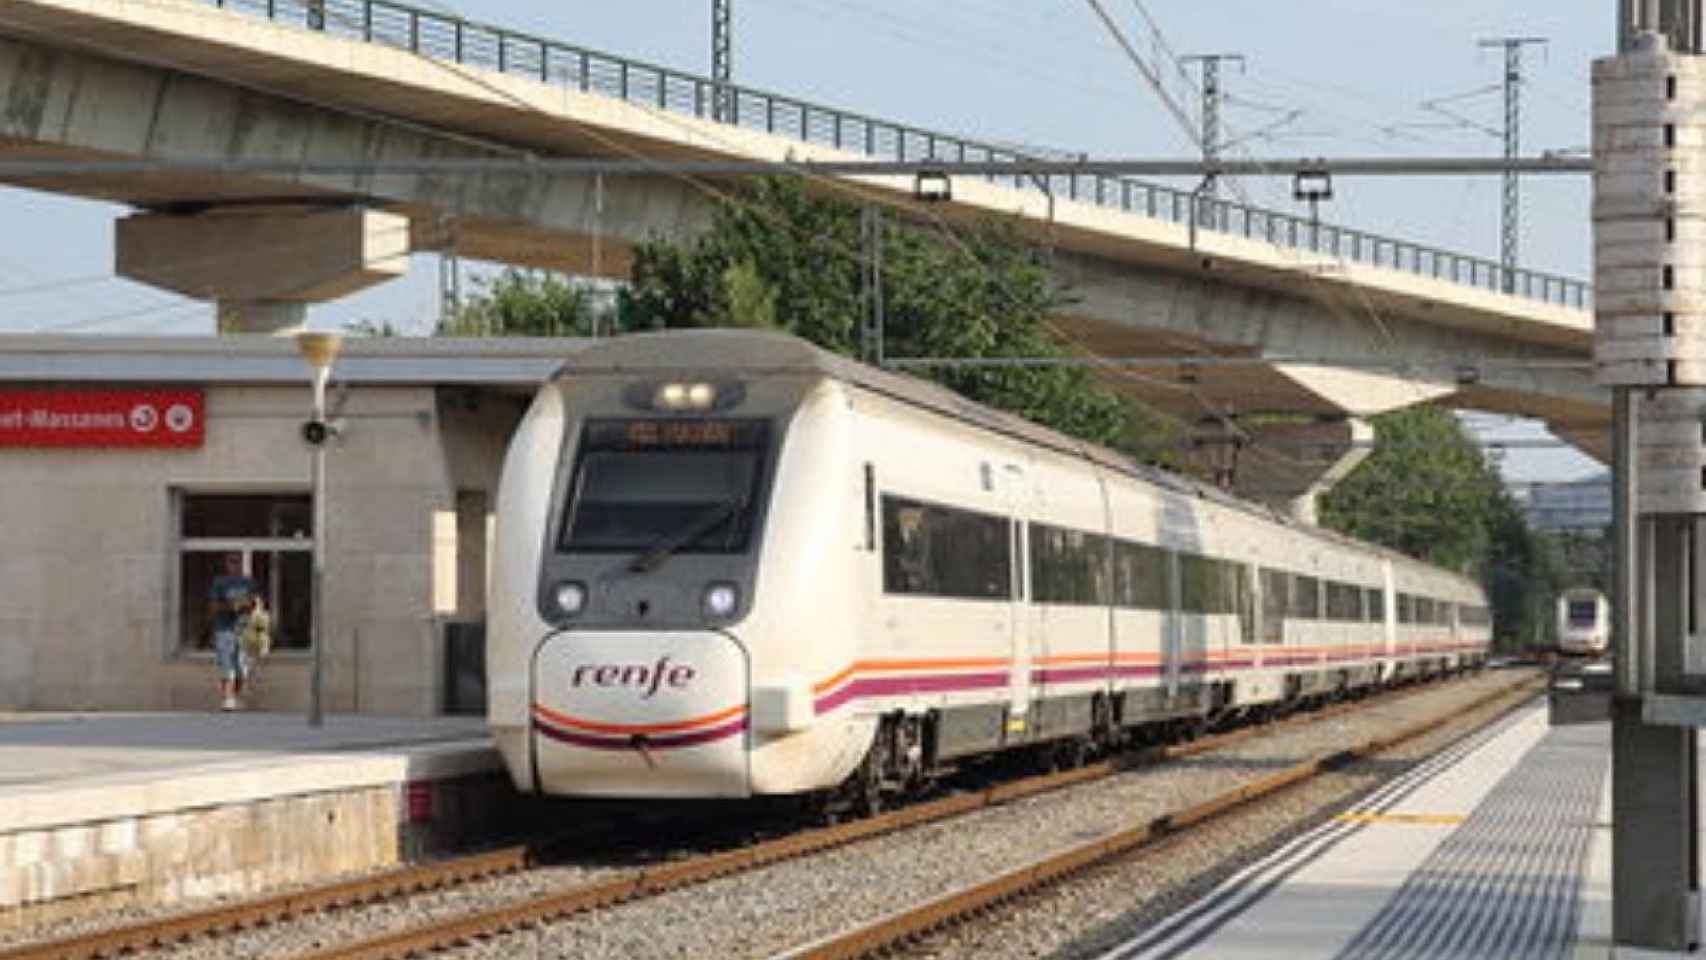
point(897, 929)
point(650, 880)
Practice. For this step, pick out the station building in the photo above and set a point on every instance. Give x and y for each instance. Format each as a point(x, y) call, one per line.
point(129, 467)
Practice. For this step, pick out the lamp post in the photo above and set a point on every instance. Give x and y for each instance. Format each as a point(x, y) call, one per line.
point(319, 350)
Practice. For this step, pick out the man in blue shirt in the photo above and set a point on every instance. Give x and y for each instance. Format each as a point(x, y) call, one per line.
point(232, 594)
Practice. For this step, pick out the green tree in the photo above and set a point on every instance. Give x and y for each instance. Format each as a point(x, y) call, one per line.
point(1427, 491)
point(523, 303)
point(785, 258)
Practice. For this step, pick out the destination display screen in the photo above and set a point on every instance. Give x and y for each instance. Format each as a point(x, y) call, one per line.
point(674, 434)
point(644, 482)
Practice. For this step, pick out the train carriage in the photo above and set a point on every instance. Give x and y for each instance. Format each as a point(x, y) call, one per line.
point(1584, 622)
point(729, 564)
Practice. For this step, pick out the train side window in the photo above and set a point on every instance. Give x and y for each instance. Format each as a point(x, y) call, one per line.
point(1140, 576)
point(1423, 612)
point(1305, 597)
point(1406, 608)
point(1068, 566)
point(1276, 599)
point(939, 551)
point(1344, 601)
point(1375, 606)
point(870, 507)
point(1206, 585)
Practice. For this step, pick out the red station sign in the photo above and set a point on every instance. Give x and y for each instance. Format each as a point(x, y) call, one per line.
point(102, 418)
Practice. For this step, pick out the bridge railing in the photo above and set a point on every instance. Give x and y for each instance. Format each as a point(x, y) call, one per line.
point(488, 47)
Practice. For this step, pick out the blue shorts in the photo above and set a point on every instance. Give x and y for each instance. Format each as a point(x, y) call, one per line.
point(228, 654)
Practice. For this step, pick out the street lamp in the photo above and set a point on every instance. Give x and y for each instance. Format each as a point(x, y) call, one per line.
point(319, 350)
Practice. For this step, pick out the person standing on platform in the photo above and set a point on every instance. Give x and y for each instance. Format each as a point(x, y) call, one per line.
point(233, 594)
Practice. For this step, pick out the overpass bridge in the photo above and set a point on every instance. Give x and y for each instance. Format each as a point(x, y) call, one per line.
point(1354, 323)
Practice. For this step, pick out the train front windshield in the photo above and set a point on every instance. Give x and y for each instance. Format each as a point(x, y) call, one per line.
point(1583, 613)
point(690, 485)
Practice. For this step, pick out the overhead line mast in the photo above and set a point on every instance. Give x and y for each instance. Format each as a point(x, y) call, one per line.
point(722, 61)
point(1511, 218)
point(1211, 98)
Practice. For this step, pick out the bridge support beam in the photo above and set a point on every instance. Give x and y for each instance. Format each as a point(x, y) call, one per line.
point(1297, 462)
point(263, 267)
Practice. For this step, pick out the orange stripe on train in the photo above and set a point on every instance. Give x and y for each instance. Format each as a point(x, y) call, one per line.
point(632, 728)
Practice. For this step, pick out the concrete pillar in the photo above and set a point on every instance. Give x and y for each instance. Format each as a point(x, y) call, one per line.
point(263, 266)
point(1360, 444)
point(1289, 465)
point(261, 316)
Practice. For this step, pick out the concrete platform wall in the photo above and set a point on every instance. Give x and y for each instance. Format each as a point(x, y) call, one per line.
point(235, 831)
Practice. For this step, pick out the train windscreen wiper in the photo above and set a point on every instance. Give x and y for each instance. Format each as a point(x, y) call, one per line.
point(657, 553)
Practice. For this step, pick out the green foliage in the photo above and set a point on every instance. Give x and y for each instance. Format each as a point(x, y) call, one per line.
point(1427, 491)
point(791, 260)
point(519, 303)
point(367, 327)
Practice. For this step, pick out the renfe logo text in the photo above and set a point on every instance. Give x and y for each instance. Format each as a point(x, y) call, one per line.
point(637, 675)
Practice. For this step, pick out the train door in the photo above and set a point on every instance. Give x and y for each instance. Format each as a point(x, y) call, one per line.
point(1245, 594)
point(1389, 620)
point(1173, 628)
point(1021, 630)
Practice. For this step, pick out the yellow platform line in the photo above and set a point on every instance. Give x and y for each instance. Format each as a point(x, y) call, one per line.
point(1435, 818)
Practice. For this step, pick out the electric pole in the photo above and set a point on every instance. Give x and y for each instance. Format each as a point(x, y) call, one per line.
point(1510, 221)
point(1211, 95)
point(722, 97)
point(449, 276)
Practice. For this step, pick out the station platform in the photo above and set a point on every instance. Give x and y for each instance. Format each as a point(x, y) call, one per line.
point(1500, 846)
point(99, 809)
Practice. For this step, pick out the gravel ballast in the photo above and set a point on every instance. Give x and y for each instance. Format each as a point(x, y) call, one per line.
point(770, 910)
point(783, 905)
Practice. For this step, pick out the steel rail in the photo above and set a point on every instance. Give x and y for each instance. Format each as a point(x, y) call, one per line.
point(258, 911)
point(264, 910)
point(652, 881)
point(959, 905)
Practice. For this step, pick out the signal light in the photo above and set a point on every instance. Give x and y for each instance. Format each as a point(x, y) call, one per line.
point(316, 433)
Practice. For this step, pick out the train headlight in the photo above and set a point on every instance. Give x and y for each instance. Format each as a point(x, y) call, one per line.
point(720, 600)
point(684, 396)
point(570, 597)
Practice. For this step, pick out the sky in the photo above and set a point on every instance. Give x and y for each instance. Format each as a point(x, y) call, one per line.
point(1332, 78)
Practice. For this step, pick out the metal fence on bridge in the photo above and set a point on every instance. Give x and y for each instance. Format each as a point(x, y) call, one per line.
point(506, 51)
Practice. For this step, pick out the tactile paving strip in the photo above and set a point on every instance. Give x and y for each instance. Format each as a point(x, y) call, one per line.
point(1505, 883)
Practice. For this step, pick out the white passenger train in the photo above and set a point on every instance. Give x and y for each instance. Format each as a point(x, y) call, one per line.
point(729, 564)
point(1584, 622)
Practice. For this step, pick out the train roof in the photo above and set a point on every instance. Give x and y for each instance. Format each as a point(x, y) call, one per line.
point(693, 351)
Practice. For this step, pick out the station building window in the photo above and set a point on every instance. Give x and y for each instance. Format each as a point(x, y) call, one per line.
point(273, 534)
